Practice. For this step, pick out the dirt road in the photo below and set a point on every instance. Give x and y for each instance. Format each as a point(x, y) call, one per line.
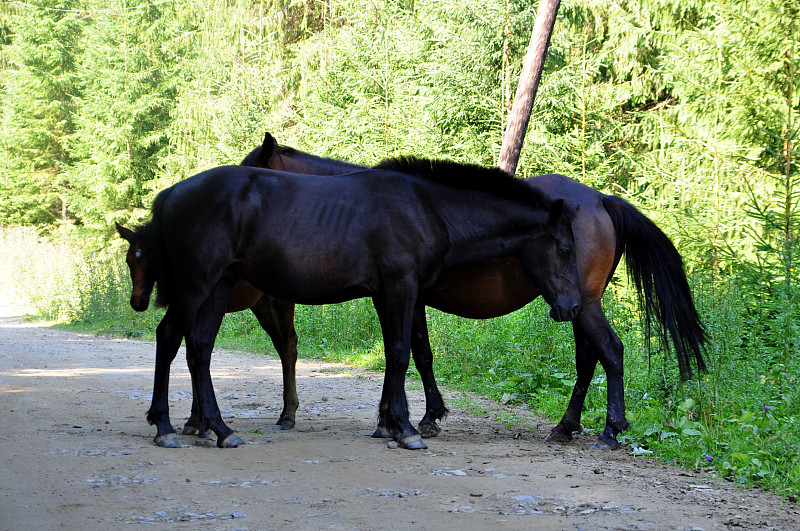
point(76, 453)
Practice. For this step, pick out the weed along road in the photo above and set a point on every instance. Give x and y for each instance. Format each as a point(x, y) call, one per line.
point(77, 453)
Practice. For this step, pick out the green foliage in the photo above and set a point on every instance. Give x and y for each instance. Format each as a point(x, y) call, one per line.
point(404, 81)
point(40, 85)
point(236, 82)
point(130, 80)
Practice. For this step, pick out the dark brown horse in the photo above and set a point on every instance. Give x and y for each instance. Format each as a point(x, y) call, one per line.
point(605, 227)
point(276, 317)
point(303, 239)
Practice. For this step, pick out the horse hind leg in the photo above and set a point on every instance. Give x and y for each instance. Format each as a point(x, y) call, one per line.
point(611, 358)
point(396, 315)
point(199, 346)
point(195, 425)
point(596, 340)
point(276, 317)
point(423, 359)
point(200, 354)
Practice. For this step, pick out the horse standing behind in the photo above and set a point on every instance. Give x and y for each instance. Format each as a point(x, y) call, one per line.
point(604, 227)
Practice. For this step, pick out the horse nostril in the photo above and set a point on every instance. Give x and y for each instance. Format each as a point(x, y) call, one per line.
point(563, 313)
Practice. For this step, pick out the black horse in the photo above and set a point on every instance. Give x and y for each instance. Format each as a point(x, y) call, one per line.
point(386, 233)
point(605, 227)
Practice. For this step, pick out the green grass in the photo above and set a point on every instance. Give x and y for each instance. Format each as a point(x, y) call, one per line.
point(741, 419)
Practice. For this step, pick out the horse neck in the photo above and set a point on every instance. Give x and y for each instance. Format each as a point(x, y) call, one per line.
point(497, 228)
point(300, 162)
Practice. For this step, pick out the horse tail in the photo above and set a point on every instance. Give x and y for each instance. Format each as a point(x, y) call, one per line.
point(156, 244)
point(658, 273)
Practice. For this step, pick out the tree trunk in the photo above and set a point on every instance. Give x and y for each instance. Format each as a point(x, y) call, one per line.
point(528, 83)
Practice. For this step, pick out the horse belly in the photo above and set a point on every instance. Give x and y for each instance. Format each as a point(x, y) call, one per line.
point(482, 290)
point(311, 283)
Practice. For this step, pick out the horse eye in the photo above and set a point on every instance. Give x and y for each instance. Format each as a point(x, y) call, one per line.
point(138, 254)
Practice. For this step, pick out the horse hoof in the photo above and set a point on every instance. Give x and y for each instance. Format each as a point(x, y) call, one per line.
point(429, 429)
point(380, 433)
point(167, 440)
point(605, 445)
point(231, 441)
point(412, 442)
point(285, 424)
point(559, 435)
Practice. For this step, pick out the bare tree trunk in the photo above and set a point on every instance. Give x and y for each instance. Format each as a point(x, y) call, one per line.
point(528, 83)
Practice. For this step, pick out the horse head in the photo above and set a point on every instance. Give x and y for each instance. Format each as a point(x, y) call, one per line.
point(139, 261)
point(551, 263)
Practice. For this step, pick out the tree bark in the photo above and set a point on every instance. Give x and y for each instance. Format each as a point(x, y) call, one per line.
point(528, 84)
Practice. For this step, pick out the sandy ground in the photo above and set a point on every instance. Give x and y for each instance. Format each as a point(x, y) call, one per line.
point(77, 453)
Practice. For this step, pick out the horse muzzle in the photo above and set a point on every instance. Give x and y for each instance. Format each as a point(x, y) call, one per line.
point(562, 313)
point(140, 304)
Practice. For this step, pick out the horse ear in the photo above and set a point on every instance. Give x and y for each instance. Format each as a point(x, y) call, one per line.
point(556, 211)
point(126, 234)
point(267, 147)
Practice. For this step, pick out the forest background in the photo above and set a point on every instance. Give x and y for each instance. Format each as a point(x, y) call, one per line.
point(687, 109)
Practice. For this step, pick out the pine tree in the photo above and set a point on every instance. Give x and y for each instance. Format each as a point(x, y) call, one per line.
point(129, 72)
point(40, 89)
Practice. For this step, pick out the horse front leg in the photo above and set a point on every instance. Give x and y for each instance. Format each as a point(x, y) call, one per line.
point(396, 316)
point(585, 363)
point(168, 340)
point(596, 340)
point(276, 317)
point(423, 359)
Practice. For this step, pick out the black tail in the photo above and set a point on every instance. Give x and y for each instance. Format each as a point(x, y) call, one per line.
point(657, 272)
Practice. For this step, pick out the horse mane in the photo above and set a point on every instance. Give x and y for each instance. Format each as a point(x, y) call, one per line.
point(151, 234)
point(252, 158)
point(490, 180)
